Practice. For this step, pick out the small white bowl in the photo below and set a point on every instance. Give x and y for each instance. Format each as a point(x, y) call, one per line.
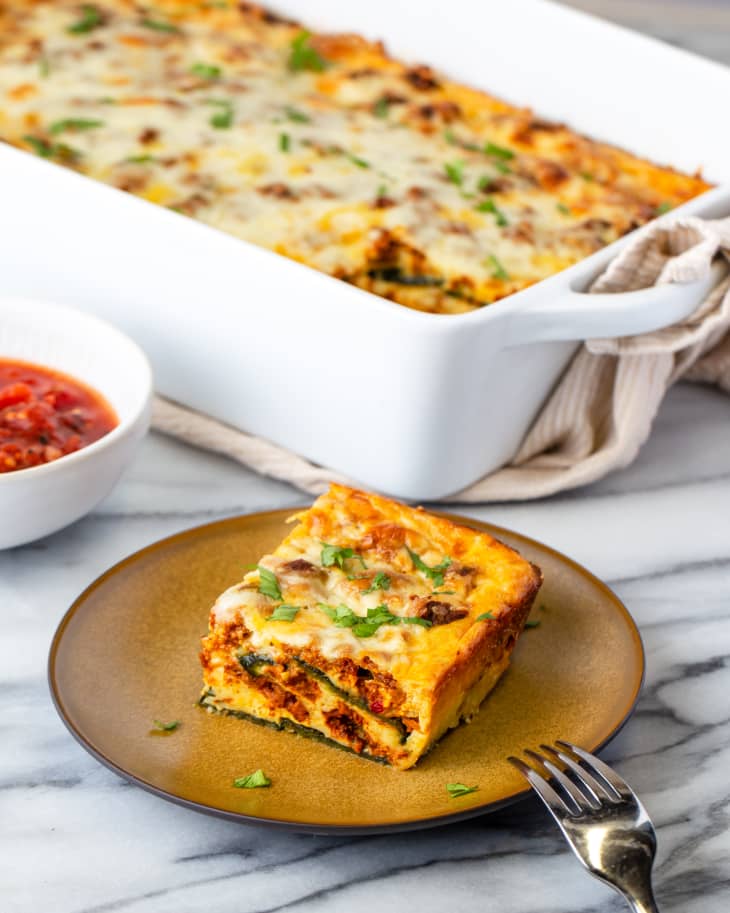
point(45, 498)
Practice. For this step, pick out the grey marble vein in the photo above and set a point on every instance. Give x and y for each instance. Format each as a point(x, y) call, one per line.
point(76, 839)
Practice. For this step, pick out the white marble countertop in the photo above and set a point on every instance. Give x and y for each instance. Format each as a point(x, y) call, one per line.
point(75, 839)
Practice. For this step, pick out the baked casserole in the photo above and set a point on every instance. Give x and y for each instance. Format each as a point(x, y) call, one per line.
point(373, 626)
point(320, 147)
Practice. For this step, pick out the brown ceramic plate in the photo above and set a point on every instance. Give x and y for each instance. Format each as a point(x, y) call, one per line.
point(126, 653)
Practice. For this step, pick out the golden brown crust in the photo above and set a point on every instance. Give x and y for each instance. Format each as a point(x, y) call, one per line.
point(452, 602)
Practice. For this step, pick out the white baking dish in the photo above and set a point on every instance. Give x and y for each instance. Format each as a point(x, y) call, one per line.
point(416, 405)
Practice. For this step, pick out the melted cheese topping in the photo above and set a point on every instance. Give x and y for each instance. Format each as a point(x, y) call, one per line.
point(321, 148)
point(481, 576)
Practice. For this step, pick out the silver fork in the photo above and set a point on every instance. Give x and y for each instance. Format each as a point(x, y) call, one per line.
point(601, 817)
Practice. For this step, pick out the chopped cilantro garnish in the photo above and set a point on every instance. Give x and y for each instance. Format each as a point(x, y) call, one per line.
point(159, 26)
point(302, 56)
point(436, 574)
point(48, 150)
point(44, 67)
point(253, 781)
point(662, 208)
point(423, 622)
point(140, 159)
point(206, 70)
point(458, 789)
point(381, 108)
point(356, 160)
point(90, 19)
point(532, 624)
point(490, 206)
point(444, 593)
point(455, 172)
point(587, 176)
point(382, 190)
point(366, 626)
point(502, 168)
point(75, 124)
point(222, 119)
point(166, 727)
point(294, 114)
point(39, 146)
point(381, 581)
point(268, 584)
point(498, 271)
point(284, 142)
point(498, 151)
point(566, 210)
point(485, 616)
point(332, 554)
point(284, 613)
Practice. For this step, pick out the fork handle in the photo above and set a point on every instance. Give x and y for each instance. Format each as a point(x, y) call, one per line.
point(644, 903)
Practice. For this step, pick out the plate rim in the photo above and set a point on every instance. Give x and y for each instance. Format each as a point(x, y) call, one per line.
point(299, 826)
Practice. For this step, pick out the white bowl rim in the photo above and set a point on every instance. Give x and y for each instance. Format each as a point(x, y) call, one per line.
point(124, 425)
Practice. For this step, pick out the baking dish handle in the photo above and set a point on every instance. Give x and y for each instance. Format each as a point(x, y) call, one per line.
point(573, 315)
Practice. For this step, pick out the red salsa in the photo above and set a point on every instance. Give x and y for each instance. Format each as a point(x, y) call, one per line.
point(45, 414)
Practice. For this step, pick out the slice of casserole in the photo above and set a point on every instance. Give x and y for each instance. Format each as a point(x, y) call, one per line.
point(373, 626)
point(321, 147)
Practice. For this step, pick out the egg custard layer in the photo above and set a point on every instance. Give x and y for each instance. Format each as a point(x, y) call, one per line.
point(373, 626)
point(320, 147)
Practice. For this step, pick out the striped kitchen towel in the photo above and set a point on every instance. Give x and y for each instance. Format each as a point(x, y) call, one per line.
point(601, 411)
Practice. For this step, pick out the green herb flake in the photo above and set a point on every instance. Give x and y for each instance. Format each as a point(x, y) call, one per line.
point(75, 124)
point(140, 159)
point(166, 727)
point(423, 622)
point(39, 146)
point(532, 624)
point(491, 207)
point(302, 56)
point(223, 119)
point(206, 70)
point(297, 116)
point(459, 789)
point(284, 142)
point(381, 108)
point(444, 593)
point(485, 616)
point(662, 208)
point(566, 210)
point(455, 172)
point(356, 160)
point(436, 574)
point(48, 150)
point(158, 26)
point(498, 152)
point(587, 176)
point(268, 584)
point(334, 555)
point(381, 581)
point(90, 19)
point(502, 168)
point(284, 613)
point(498, 270)
point(256, 780)
point(44, 67)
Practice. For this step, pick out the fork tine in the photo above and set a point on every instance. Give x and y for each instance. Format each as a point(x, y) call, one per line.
point(555, 803)
point(596, 790)
point(598, 768)
point(579, 798)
